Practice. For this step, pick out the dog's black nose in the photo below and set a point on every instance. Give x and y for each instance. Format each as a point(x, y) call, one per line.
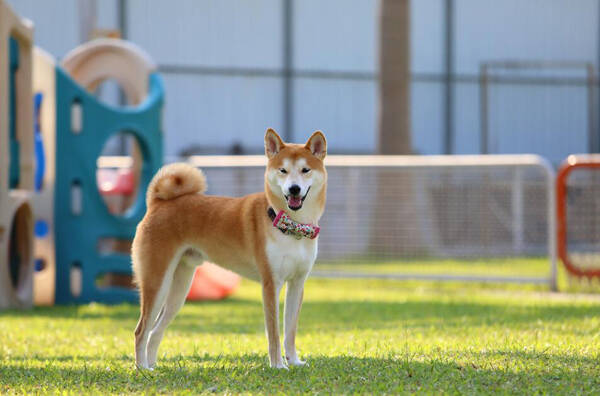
point(295, 189)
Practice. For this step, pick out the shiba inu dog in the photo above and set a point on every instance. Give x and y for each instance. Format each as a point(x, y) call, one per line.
point(269, 237)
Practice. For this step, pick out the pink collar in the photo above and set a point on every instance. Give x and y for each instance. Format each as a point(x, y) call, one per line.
point(288, 226)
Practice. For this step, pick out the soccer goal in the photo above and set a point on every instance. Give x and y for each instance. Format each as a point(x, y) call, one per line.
point(578, 215)
point(468, 218)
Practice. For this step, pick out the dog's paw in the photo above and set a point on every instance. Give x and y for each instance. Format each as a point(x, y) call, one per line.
point(142, 367)
point(296, 362)
point(279, 365)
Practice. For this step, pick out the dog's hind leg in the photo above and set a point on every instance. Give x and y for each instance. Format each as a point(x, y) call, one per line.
point(180, 286)
point(155, 282)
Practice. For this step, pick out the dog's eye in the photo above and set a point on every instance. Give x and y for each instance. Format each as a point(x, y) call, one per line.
point(305, 170)
point(282, 170)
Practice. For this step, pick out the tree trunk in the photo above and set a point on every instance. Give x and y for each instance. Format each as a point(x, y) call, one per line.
point(396, 229)
point(394, 77)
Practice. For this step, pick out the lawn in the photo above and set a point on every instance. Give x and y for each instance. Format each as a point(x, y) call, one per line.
point(358, 336)
point(508, 266)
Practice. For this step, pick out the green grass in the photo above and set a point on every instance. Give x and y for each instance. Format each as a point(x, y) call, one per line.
point(529, 267)
point(358, 336)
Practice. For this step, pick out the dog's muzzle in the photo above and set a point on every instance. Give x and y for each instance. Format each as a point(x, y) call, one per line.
point(294, 202)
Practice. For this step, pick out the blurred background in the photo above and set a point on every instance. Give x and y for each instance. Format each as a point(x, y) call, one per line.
point(464, 76)
point(378, 77)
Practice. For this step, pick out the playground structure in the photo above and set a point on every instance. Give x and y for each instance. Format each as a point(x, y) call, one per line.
point(74, 125)
point(66, 220)
point(82, 125)
point(16, 156)
point(44, 87)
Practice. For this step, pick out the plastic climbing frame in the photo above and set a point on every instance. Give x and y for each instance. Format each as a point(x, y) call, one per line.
point(83, 125)
point(16, 160)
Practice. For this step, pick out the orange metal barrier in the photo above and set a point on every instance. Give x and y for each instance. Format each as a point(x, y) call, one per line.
point(569, 165)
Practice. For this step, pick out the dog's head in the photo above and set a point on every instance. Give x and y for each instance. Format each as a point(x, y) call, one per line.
point(296, 176)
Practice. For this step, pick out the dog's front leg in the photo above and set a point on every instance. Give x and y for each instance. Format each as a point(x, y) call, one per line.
point(271, 307)
point(293, 303)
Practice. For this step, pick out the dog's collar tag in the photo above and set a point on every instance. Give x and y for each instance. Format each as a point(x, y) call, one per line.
point(284, 222)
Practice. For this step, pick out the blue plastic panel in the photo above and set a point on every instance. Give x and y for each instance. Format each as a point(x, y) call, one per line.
point(14, 174)
point(76, 155)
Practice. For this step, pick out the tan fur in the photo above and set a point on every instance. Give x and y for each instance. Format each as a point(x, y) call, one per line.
point(231, 232)
point(174, 180)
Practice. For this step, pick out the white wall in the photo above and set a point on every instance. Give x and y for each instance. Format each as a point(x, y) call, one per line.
point(548, 120)
point(208, 33)
point(213, 110)
point(216, 111)
point(524, 29)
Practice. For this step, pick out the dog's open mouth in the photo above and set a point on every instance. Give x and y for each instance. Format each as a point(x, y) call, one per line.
point(295, 202)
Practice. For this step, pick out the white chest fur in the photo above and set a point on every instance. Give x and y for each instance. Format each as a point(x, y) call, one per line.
point(290, 257)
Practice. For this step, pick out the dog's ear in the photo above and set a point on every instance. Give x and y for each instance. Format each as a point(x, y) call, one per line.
point(317, 145)
point(273, 143)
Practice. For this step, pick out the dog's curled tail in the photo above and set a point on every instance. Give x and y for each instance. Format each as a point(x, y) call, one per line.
point(175, 180)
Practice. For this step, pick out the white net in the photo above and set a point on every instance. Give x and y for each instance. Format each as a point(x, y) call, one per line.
point(583, 218)
point(485, 218)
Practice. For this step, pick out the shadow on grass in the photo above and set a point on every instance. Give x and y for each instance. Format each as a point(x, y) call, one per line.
point(118, 311)
point(240, 316)
point(462, 372)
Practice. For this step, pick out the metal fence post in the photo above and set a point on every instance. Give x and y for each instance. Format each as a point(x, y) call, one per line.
point(288, 83)
point(483, 99)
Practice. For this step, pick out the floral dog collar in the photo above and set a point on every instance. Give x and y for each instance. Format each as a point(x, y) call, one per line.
point(285, 223)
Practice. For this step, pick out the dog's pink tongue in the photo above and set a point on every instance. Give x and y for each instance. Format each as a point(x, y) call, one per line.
point(294, 202)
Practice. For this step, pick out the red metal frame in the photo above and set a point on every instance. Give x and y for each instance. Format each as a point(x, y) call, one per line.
point(571, 163)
